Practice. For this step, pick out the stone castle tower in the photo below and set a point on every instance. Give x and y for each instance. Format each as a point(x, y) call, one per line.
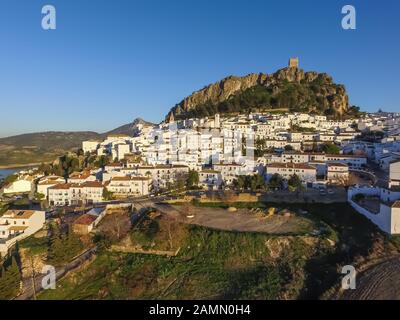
point(293, 62)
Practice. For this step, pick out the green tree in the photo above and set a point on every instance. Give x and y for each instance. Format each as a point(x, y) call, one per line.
point(294, 182)
point(39, 196)
point(102, 161)
point(3, 284)
point(80, 152)
point(3, 207)
point(288, 147)
point(46, 169)
point(73, 244)
point(101, 240)
point(257, 182)
point(239, 183)
point(108, 195)
point(276, 181)
point(330, 148)
point(180, 181)
point(63, 246)
point(56, 250)
point(10, 280)
point(260, 147)
point(58, 170)
point(192, 179)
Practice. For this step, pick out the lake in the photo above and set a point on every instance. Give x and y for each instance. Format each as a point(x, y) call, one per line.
point(6, 172)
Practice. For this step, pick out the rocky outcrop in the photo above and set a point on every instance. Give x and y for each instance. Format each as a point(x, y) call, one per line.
point(219, 92)
point(332, 97)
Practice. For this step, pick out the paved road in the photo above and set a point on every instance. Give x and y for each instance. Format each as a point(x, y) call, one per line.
point(28, 290)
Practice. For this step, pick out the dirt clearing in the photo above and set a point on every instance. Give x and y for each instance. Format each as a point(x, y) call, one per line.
point(242, 220)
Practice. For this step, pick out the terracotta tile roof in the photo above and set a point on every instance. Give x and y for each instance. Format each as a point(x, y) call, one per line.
point(18, 214)
point(140, 178)
point(50, 181)
point(210, 171)
point(120, 178)
point(115, 164)
point(80, 175)
point(85, 219)
point(93, 184)
point(396, 204)
point(163, 166)
point(291, 166)
point(130, 178)
point(61, 186)
point(87, 184)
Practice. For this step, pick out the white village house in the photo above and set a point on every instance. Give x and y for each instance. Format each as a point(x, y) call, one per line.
point(23, 184)
point(16, 225)
point(129, 186)
point(380, 205)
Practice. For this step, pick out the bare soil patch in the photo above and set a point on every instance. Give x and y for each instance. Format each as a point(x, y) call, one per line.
point(243, 220)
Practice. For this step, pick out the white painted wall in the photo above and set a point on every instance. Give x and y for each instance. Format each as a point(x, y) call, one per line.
point(19, 186)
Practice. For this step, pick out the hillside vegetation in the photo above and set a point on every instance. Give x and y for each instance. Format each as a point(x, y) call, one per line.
point(210, 265)
point(213, 264)
point(40, 147)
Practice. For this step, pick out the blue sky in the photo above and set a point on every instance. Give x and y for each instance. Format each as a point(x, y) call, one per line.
point(109, 62)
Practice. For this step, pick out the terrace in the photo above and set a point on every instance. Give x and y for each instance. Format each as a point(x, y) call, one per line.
point(370, 203)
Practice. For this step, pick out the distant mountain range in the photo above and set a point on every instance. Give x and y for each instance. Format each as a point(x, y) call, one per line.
point(33, 148)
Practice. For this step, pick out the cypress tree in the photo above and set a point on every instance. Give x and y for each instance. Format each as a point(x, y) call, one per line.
point(3, 284)
point(14, 275)
point(56, 252)
point(10, 280)
point(73, 244)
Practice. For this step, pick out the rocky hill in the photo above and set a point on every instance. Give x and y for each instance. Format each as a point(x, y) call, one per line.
point(129, 128)
point(290, 88)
